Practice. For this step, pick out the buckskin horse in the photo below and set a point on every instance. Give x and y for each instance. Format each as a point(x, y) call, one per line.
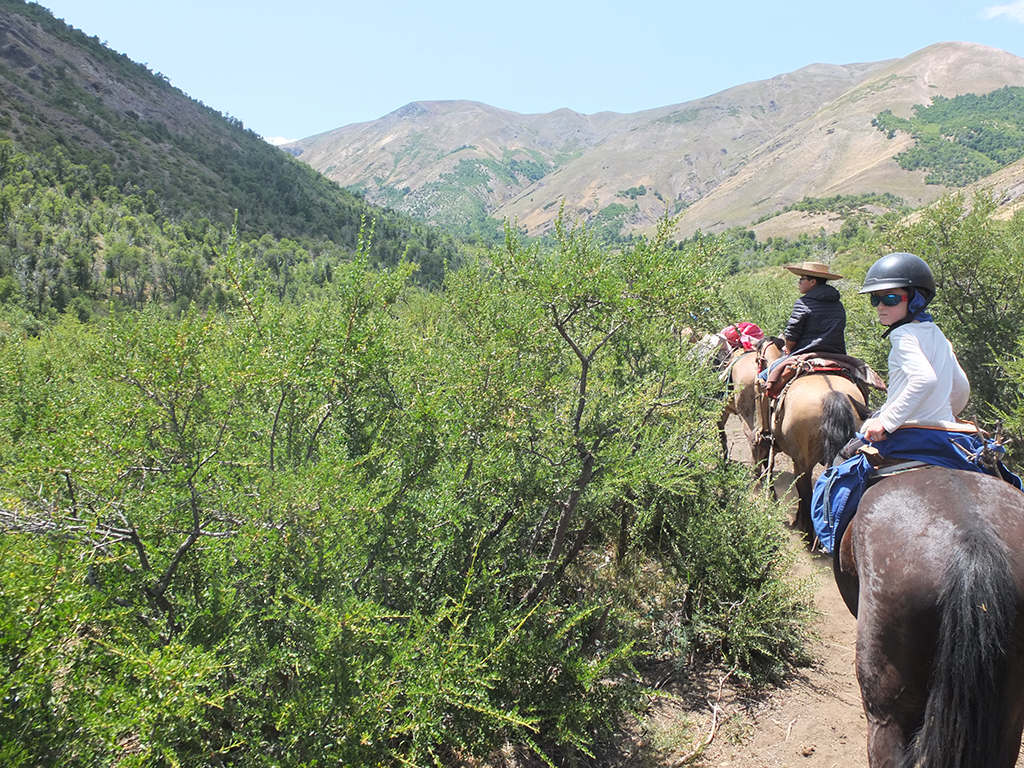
point(932, 566)
point(816, 415)
point(741, 397)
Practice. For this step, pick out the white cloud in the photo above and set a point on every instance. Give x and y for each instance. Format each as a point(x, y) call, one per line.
point(1014, 10)
point(279, 140)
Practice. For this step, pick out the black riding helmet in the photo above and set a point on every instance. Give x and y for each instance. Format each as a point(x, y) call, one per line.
point(900, 270)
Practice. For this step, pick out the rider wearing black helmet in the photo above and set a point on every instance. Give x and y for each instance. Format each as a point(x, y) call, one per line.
point(927, 386)
point(917, 423)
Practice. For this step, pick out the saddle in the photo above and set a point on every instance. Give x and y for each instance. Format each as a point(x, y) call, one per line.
point(838, 490)
point(854, 369)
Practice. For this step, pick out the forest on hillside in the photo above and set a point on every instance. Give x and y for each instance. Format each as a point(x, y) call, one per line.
point(97, 126)
point(962, 139)
point(68, 243)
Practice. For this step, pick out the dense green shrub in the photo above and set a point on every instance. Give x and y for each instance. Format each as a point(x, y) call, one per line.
point(381, 527)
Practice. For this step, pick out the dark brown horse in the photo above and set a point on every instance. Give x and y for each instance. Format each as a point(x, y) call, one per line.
point(932, 565)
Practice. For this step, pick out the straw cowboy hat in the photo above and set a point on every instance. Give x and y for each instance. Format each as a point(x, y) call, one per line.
point(813, 269)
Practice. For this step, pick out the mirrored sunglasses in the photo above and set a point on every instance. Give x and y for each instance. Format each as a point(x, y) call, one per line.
point(889, 299)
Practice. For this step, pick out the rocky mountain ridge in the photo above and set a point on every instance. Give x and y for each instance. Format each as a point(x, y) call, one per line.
point(724, 160)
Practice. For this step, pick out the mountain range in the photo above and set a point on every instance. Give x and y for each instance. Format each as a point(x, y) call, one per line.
point(735, 158)
point(738, 158)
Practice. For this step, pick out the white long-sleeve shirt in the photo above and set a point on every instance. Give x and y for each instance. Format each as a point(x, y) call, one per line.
point(927, 386)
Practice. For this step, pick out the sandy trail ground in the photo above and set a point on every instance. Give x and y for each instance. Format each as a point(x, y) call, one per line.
point(816, 719)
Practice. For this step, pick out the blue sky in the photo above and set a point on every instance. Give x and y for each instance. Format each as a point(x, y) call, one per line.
point(295, 68)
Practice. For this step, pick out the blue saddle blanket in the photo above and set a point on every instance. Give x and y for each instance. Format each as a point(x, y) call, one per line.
point(837, 492)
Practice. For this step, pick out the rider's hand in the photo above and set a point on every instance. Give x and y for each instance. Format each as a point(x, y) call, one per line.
point(873, 430)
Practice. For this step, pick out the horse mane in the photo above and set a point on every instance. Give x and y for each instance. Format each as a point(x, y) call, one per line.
point(777, 341)
point(969, 693)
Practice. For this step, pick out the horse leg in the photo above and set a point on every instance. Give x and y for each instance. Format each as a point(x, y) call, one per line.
point(721, 430)
point(893, 669)
point(844, 567)
point(760, 454)
point(886, 743)
point(770, 469)
point(804, 491)
point(897, 623)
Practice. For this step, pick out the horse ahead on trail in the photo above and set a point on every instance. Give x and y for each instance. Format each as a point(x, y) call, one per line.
point(740, 377)
point(816, 414)
point(740, 397)
point(932, 566)
point(814, 418)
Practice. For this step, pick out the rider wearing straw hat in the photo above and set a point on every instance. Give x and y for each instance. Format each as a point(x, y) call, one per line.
point(818, 320)
point(816, 324)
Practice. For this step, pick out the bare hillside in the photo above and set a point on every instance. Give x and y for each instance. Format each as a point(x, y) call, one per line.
point(725, 160)
point(682, 153)
point(837, 151)
point(1007, 188)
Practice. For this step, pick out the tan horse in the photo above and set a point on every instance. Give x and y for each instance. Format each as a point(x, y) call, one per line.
point(816, 416)
point(741, 396)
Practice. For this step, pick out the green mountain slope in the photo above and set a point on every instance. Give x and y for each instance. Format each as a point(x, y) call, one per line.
point(960, 140)
point(137, 134)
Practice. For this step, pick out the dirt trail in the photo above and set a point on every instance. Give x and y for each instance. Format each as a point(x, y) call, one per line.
point(816, 719)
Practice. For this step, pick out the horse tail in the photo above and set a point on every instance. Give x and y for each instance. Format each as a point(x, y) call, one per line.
point(838, 425)
point(969, 696)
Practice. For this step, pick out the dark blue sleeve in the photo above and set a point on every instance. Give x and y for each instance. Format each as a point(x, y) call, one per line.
point(797, 321)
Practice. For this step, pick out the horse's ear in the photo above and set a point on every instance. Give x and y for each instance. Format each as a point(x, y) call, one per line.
point(779, 342)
